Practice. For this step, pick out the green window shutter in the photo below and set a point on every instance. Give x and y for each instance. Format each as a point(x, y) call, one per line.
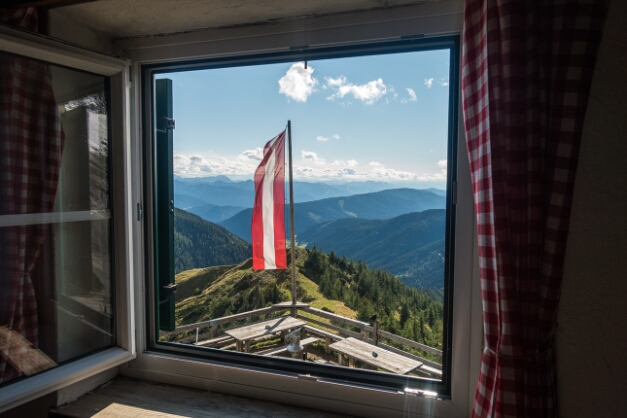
point(164, 207)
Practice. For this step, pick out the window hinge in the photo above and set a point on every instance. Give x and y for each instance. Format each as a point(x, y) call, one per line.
point(454, 191)
point(165, 123)
point(139, 212)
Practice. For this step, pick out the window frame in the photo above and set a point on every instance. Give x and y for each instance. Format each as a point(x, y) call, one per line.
point(419, 21)
point(38, 47)
point(155, 163)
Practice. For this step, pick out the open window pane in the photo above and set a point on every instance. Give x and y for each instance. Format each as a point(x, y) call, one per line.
point(55, 258)
point(371, 138)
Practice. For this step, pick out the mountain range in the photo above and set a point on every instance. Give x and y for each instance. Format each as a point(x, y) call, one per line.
point(385, 204)
point(410, 246)
point(222, 191)
point(398, 230)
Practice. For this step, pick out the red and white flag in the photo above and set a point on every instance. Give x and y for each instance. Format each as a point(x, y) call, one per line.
point(268, 226)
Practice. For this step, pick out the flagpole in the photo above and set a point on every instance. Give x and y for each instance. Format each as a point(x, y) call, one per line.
point(292, 243)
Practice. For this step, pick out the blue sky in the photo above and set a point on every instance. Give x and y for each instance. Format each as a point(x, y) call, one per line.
point(378, 117)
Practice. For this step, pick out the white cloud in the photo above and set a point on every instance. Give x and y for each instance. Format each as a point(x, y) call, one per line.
point(444, 82)
point(349, 163)
point(298, 83)
point(252, 154)
point(428, 82)
point(367, 93)
point(412, 96)
point(311, 156)
point(199, 166)
point(341, 170)
point(311, 166)
point(392, 90)
point(326, 138)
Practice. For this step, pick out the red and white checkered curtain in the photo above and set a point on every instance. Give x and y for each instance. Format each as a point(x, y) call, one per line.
point(526, 74)
point(31, 142)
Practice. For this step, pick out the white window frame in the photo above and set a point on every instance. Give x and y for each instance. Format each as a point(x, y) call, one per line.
point(42, 48)
point(429, 19)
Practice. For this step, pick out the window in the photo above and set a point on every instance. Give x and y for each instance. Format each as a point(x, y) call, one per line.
point(131, 243)
point(55, 224)
point(62, 216)
point(388, 329)
point(180, 365)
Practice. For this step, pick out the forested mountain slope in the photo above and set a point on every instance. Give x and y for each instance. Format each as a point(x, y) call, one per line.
point(410, 246)
point(199, 243)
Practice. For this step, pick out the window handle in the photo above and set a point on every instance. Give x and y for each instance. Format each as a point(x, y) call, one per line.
point(170, 290)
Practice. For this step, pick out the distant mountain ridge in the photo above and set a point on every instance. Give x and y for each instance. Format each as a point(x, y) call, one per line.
point(410, 246)
point(222, 191)
point(215, 213)
point(385, 204)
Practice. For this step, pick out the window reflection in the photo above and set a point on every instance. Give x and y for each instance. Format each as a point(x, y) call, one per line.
point(55, 219)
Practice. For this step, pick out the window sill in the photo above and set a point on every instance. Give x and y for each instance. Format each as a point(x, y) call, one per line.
point(59, 377)
point(287, 389)
point(126, 397)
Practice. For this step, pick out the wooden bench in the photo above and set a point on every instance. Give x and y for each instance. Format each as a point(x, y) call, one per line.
point(282, 349)
point(244, 335)
point(373, 355)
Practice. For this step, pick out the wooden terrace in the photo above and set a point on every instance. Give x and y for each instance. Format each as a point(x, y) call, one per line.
point(346, 341)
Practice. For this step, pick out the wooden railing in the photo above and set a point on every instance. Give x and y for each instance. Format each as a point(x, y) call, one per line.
point(366, 332)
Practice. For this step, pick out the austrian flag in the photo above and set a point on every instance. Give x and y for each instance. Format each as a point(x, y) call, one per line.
point(268, 226)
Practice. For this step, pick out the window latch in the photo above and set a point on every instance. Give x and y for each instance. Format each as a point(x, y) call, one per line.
point(169, 290)
point(165, 123)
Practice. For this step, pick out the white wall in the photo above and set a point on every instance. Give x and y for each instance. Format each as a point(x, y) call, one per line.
point(61, 26)
point(592, 331)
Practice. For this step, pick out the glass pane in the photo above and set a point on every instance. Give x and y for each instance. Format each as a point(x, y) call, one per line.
point(82, 107)
point(55, 263)
point(370, 149)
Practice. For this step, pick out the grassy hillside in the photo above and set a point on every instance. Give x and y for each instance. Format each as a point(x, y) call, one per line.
point(198, 243)
point(192, 282)
point(225, 290)
point(324, 281)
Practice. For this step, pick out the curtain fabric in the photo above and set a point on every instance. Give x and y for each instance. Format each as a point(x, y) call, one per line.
point(31, 142)
point(526, 74)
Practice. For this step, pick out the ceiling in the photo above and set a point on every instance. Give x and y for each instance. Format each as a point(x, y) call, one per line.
point(131, 18)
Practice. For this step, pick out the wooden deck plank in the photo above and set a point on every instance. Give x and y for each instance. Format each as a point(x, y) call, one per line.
point(384, 359)
point(264, 328)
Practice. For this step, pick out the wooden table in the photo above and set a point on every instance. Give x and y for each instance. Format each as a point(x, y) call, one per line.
point(382, 358)
point(243, 335)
